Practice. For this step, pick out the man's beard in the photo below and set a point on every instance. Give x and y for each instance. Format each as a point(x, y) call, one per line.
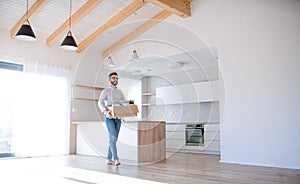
point(114, 83)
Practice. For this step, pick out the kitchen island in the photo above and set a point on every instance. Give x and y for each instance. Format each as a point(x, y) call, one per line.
point(139, 141)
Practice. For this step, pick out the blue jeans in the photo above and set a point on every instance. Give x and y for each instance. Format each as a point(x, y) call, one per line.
point(113, 127)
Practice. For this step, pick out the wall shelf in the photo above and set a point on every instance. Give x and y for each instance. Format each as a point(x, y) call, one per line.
point(147, 104)
point(146, 98)
point(86, 99)
point(85, 93)
point(88, 87)
point(147, 94)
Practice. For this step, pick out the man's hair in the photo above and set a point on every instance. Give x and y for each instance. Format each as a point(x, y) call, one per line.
point(111, 74)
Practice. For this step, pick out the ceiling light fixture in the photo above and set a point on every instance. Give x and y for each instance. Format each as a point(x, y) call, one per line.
point(177, 64)
point(135, 56)
point(109, 62)
point(25, 32)
point(136, 72)
point(69, 42)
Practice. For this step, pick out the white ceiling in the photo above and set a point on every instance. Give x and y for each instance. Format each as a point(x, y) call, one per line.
point(56, 12)
point(198, 62)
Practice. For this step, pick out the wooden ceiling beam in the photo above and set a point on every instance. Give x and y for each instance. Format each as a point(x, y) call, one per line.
point(76, 17)
point(32, 12)
point(118, 18)
point(181, 8)
point(137, 32)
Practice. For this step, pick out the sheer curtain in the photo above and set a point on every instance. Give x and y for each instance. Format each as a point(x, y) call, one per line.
point(43, 110)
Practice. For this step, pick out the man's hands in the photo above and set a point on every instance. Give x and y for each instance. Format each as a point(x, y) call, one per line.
point(108, 114)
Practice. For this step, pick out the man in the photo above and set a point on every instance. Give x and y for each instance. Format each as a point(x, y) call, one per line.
point(108, 97)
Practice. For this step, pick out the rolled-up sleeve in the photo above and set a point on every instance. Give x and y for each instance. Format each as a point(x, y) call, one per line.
point(101, 101)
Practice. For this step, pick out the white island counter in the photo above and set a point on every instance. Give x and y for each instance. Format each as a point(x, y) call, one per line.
point(140, 141)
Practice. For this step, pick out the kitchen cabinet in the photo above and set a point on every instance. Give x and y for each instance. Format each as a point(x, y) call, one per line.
point(175, 138)
point(187, 93)
point(212, 137)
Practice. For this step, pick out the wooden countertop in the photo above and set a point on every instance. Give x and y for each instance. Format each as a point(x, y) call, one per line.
point(145, 121)
point(170, 122)
point(132, 121)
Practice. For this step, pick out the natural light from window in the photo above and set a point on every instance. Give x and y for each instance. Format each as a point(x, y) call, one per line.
point(33, 113)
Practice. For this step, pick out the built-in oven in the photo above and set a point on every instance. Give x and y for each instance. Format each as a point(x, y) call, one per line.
point(194, 135)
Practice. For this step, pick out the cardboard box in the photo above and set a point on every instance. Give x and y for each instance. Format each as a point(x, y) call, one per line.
point(124, 111)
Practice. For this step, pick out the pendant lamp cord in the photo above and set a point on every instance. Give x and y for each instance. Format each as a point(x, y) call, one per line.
point(27, 10)
point(70, 20)
point(27, 13)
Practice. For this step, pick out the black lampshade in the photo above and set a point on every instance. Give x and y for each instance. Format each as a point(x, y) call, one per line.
point(69, 42)
point(25, 33)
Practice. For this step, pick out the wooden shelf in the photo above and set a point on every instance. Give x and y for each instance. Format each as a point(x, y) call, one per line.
point(88, 87)
point(147, 94)
point(86, 99)
point(85, 87)
point(147, 104)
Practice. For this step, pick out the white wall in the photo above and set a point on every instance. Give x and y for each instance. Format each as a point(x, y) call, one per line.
point(258, 49)
point(258, 45)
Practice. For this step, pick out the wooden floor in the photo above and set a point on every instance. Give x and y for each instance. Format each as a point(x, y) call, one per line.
point(179, 168)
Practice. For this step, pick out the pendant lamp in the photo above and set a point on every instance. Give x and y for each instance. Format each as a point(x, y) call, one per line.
point(109, 62)
point(25, 32)
point(135, 56)
point(69, 42)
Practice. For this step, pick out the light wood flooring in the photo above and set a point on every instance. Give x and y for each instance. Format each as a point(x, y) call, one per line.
point(179, 168)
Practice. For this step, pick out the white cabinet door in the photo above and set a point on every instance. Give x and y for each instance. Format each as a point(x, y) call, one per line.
point(175, 136)
point(187, 93)
point(167, 95)
point(207, 91)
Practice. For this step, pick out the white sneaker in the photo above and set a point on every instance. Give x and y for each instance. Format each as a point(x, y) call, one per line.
point(110, 162)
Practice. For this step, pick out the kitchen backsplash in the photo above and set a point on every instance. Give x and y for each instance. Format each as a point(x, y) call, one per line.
point(194, 112)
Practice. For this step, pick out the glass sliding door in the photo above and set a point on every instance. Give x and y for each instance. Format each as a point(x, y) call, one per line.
point(9, 74)
point(34, 112)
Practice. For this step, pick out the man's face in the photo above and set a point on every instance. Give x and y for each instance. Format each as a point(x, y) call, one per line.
point(113, 80)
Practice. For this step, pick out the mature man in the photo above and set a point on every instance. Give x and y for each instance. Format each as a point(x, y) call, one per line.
point(108, 97)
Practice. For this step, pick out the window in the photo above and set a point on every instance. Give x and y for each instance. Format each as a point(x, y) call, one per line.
point(7, 71)
point(34, 111)
point(11, 66)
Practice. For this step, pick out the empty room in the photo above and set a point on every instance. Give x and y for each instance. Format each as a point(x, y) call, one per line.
point(149, 91)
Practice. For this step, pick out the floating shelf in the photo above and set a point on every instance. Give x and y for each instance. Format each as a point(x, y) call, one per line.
point(86, 90)
point(88, 87)
point(86, 99)
point(147, 94)
point(147, 104)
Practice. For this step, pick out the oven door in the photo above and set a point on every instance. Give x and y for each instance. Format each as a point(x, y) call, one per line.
point(194, 134)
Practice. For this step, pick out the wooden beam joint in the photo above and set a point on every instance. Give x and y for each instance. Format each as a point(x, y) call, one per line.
point(118, 18)
point(137, 32)
point(181, 8)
